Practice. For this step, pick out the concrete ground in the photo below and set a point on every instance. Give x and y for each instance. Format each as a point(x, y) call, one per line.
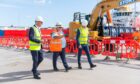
point(15, 68)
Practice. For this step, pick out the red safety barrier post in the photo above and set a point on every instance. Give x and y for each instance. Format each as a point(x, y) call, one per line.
point(128, 50)
point(68, 47)
point(109, 47)
point(95, 47)
point(45, 43)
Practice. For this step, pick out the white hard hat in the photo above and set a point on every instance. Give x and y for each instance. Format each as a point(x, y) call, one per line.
point(39, 18)
point(58, 24)
point(84, 23)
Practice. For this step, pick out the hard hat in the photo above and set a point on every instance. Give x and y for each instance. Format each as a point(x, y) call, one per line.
point(84, 23)
point(58, 24)
point(39, 18)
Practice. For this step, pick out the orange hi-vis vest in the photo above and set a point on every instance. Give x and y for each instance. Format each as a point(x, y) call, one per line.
point(55, 45)
point(136, 36)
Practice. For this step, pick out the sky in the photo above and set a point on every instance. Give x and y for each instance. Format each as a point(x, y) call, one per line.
point(23, 12)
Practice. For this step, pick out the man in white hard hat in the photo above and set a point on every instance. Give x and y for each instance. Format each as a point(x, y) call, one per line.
point(60, 35)
point(35, 45)
point(82, 42)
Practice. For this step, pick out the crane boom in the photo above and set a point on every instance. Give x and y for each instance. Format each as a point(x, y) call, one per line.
point(105, 5)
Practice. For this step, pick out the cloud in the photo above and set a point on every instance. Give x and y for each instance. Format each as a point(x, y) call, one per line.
point(50, 2)
point(43, 1)
point(28, 16)
point(7, 5)
point(40, 1)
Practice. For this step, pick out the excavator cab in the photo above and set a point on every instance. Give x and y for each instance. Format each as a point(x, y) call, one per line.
point(78, 16)
point(77, 19)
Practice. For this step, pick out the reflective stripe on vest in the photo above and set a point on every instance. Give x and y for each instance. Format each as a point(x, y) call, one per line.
point(34, 45)
point(55, 45)
point(83, 35)
point(56, 42)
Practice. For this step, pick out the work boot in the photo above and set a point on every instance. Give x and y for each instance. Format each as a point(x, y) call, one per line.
point(35, 74)
point(56, 69)
point(92, 66)
point(67, 69)
point(79, 66)
point(37, 77)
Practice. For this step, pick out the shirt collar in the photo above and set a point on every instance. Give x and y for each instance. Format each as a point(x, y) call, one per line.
point(37, 26)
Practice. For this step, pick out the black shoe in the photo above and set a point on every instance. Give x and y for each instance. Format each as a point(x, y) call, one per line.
point(92, 66)
point(79, 66)
point(37, 77)
point(56, 69)
point(67, 69)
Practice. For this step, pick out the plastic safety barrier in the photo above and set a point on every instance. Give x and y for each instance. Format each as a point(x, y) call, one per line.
point(116, 47)
point(122, 48)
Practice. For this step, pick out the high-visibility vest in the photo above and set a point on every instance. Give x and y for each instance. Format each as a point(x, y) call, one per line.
point(83, 39)
point(136, 36)
point(55, 45)
point(34, 45)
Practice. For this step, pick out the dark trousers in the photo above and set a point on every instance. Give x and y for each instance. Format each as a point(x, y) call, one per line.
point(62, 56)
point(37, 58)
point(86, 49)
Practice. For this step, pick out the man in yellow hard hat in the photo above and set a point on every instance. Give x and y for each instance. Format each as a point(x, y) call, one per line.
point(35, 45)
point(82, 41)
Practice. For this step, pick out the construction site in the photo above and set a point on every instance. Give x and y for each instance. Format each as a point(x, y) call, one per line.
point(108, 38)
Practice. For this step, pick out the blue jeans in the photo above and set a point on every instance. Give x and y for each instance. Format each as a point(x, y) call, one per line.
point(62, 56)
point(86, 49)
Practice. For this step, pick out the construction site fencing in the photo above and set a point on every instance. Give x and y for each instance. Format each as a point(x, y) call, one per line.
point(116, 47)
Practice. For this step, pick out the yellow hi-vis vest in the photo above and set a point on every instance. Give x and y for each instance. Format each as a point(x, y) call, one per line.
point(34, 45)
point(83, 39)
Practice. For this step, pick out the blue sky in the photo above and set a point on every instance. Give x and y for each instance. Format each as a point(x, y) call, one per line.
point(23, 12)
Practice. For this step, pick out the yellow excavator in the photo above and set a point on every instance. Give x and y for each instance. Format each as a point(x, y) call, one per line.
point(96, 17)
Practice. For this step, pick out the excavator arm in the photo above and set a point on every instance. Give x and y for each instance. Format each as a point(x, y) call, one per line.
point(103, 7)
